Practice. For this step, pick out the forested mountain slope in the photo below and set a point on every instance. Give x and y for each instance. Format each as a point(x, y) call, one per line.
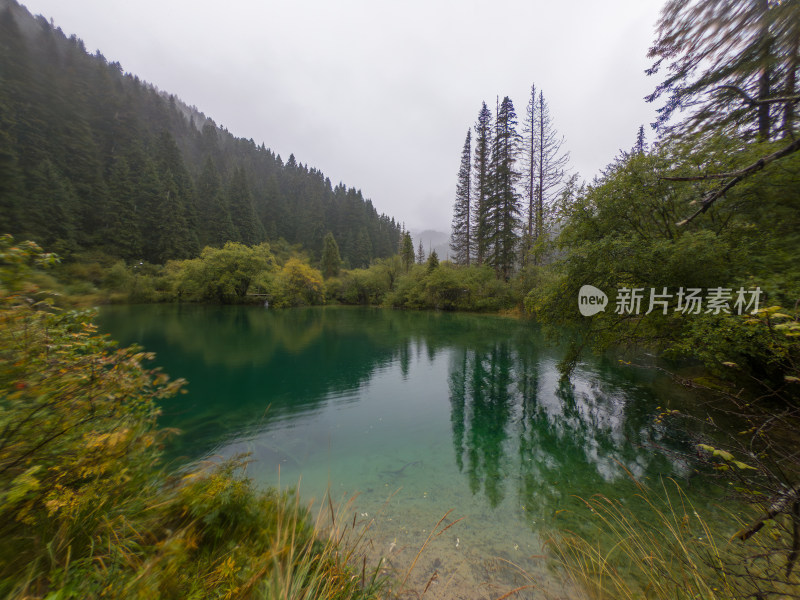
point(92, 158)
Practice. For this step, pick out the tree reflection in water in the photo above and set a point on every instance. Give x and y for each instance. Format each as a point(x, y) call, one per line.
point(510, 411)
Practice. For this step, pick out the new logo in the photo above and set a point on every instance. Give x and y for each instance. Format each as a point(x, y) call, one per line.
point(591, 300)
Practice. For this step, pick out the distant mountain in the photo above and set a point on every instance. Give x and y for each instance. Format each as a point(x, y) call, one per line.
point(433, 240)
point(92, 158)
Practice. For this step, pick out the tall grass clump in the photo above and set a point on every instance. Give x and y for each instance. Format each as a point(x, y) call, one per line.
point(330, 564)
point(658, 545)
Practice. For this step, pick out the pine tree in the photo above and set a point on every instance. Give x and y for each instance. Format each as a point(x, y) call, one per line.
point(482, 174)
point(407, 251)
point(171, 228)
point(216, 226)
point(11, 183)
point(50, 210)
point(331, 261)
point(433, 262)
point(243, 214)
point(121, 233)
point(146, 194)
point(420, 254)
point(641, 145)
point(460, 240)
point(362, 250)
point(504, 201)
point(176, 215)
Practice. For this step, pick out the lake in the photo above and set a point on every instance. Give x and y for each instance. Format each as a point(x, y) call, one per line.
point(418, 413)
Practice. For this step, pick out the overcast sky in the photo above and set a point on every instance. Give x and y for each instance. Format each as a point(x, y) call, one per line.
point(380, 94)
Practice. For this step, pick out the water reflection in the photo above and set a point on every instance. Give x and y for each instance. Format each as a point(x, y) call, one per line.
point(510, 411)
point(517, 432)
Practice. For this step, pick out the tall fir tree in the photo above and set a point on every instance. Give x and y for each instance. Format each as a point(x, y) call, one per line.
point(504, 201)
point(121, 232)
point(175, 212)
point(331, 261)
point(49, 215)
point(482, 188)
point(216, 226)
point(641, 144)
point(420, 253)
point(11, 184)
point(243, 213)
point(407, 251)
point(362, 249)
point(460, 238)
point(432, 262)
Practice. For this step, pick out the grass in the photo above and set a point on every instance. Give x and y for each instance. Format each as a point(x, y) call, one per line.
point(665, 549)
point(326, 565)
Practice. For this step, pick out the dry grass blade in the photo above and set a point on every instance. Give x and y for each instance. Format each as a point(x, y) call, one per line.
point(433, 578)
point(431, 535)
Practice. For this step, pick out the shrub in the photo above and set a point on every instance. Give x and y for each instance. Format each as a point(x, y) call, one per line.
point(297, 284)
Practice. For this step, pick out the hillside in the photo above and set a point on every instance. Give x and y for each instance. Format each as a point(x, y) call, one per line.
point(93, 158)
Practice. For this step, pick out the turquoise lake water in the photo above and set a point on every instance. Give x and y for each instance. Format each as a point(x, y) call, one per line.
point(418, 413)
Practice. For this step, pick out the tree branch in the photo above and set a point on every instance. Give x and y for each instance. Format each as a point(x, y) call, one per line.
point(757, 102)
point(787, 499)
point(736, 177)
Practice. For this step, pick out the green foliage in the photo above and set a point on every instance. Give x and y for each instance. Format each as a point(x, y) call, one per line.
point(448, 287)
point(16, 261)
point(360, 286)
point(637, 228)
point(433, 262)
point(297, 284)
point(623, 232)
point(330, 261)
point(461, 238)
point(222, 275)
point(407, 251)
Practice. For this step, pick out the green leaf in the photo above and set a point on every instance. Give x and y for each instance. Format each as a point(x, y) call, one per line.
point(743, 466)
point(726, 456)
point(22, 484)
